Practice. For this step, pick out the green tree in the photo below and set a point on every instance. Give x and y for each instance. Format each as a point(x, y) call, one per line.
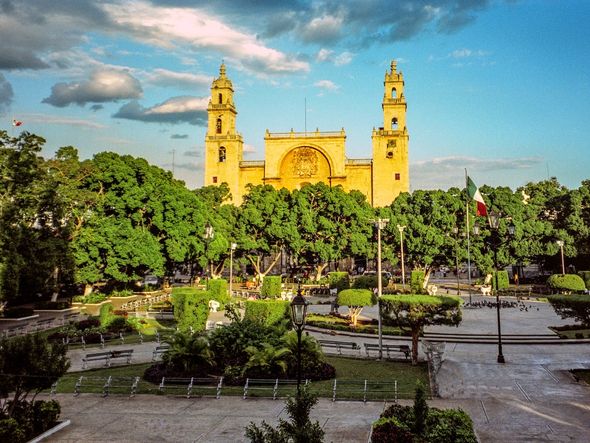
point(356, 300)
point(414, 312)
point(189, 353)
point(266, 361)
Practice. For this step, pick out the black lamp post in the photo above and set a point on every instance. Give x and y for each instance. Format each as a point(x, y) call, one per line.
point(208, 236)
point(494, 222)
point(298, 314)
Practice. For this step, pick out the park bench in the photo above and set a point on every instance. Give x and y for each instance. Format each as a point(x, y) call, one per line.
point(107, 356)
point(159, 351)
point(189, 384)
point(405, 349)
point(340, 345)
point(107, 385)
point(364, 389)
point(274, 385)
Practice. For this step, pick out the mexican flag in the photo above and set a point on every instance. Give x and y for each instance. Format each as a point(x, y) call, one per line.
point(474, 194)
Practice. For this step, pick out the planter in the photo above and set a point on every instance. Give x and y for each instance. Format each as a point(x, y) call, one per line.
point(58, 427)
point(13, 321)
point(91, 308)
point(58, 311)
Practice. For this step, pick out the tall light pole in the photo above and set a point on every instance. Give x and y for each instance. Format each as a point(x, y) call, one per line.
point(209, 234)
point(560, 244)
point(401, 247)
point(232, 248)
point(379, 224)
point(298, 314)
point(494, 221)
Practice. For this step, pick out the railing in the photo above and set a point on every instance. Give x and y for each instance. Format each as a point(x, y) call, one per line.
point(310, 134)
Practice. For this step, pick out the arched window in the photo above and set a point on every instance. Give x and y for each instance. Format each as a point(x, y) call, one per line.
point(220, 98)
point(222, 154)
point(218, 127)
point(393, 93)
point(394, 125)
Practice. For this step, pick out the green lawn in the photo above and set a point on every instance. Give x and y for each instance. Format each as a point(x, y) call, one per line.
point(381, 374)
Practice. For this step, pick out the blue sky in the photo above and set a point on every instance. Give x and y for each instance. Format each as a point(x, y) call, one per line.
point(500, 87)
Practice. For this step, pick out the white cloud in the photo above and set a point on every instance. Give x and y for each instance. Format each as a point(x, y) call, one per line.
point(249, 149)
point(167, 26)
point(186, 80)
point(327, 28)
point(327, 55)
point(184, 109)
point(327, 85)
point(105, 85)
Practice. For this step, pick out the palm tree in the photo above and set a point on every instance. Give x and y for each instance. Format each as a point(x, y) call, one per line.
point(267, 361)
point(189, 353)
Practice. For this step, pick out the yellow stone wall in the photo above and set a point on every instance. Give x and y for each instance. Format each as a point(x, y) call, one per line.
point(294, 159)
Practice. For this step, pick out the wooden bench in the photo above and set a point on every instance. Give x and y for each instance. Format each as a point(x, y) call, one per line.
point(270, 385)
point(340, 345)
point(107, 356)
point(159, 351)
point(405, 349)
point(188, 384)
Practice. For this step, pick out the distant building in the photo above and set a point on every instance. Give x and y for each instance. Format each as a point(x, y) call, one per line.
point(294, 159)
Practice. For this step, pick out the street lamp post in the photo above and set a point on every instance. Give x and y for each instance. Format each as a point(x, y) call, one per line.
point(232, 248)
point(560, 244)
point(298, 314)
point(456, 232)
point(494, 222)
point(209, 234)
point(401, 248)
point(379, 224)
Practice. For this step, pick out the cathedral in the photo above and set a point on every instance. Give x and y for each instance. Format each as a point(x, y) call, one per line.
point(294, 159)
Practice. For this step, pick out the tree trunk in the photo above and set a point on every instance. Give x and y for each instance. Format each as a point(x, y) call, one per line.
point(87, 289)
point(319, 269)
point(353, 313)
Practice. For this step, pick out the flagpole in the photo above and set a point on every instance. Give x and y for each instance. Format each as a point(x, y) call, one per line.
point(467, 233)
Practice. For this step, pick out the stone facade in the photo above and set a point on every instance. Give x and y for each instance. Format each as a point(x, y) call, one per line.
point(294, 159)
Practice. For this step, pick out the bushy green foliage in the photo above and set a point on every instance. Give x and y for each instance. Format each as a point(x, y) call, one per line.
point(266, 361)
point(106, 314)
point(191, 308)
point(218, 289)
point(357, 297)
point(368, 282)
point(566, 282)
point(572, 306)
point(271, 286)
point(299, 429)
point(189, 353)
point(503, 280)
point(417, 282)
point(339, 280)
point(422, 424)
point(585, 275)
point(268, 312)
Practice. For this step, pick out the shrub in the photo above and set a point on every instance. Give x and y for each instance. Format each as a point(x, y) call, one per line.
point(195, 311)
point(566, 282)
point(368, 282)
point(88, 323)
point(268, 312)
point(11, 431)
point(94, 298)
point(503, 280)
point(417, 282)
point(45, 415)
point(585, 275)
point(391, 429)
point(122, 293)
point(339, 280)
point(119, 324)
point(218, 290)
point(271, 286)
point(443, 426)
point(106, 314)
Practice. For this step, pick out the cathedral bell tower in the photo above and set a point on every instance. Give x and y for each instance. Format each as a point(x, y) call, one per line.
point(390, 143)
point(223, 145)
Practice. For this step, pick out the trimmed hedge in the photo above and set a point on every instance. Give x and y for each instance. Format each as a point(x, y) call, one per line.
point(567, 282)
point(267, 312)
point(503, 280)
point(417, 282)
point(218, 290)
point(357, 297)
point(368, 282)
point(106, 314)
point(339, 280)
point(271, 286)
point(585, 275)
point(191, 308)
